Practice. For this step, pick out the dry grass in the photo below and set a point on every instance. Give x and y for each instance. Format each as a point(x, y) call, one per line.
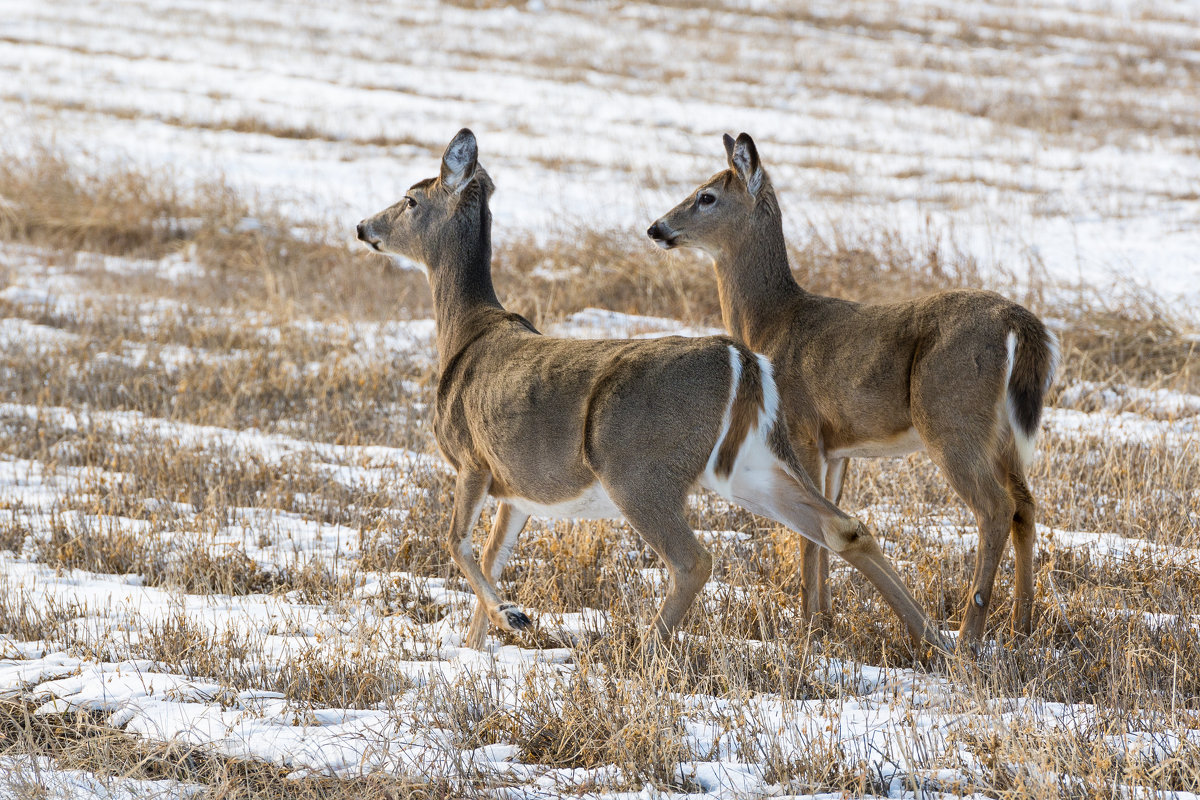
point(250, 261)
point(80, 741)
point(256, 263)
point(1115, 633)
point(1134, 340)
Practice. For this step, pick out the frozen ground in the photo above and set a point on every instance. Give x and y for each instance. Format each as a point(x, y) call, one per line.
point(1047, 138)
point(897, 725)
point(1051, 139)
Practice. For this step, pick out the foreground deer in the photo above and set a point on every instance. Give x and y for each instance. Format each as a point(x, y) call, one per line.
point(961, 374)
point(596, 429)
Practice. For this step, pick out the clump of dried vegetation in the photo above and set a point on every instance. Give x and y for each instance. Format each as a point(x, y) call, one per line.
point(1114, 633)
point(81, 741)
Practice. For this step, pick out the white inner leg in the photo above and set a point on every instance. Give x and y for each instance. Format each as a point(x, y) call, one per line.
point(901, 444)
point(592, 503)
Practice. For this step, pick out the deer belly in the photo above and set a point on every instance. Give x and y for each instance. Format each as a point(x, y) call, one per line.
point(592, 503)
point(901, 444)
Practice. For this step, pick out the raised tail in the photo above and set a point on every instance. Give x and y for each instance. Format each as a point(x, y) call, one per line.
point(1032, 361)
point(773, 426)
point(754, 411)
point(754, 444)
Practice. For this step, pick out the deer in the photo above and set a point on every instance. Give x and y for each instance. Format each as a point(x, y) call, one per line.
point(596, 429)
point(962, 375)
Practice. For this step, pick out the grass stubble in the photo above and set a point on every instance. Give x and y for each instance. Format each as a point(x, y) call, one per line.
point(261, 335)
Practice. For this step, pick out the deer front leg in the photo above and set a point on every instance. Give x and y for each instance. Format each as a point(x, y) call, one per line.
point(835, 476)
point(662, 524)
point(470, 491)
point(499, 547)
point(815, 597)
point(812, 586)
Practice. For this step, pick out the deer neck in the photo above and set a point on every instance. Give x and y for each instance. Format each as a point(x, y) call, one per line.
point(754, 281)
point(462, 288)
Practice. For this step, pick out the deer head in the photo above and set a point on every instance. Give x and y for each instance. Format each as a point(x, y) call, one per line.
point(718, 212)
point(438, 217)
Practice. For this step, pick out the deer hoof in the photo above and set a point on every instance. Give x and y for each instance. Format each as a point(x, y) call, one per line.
point(510, 617)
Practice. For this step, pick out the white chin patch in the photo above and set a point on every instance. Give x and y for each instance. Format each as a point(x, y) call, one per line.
point(407, 264)
point(663, 243)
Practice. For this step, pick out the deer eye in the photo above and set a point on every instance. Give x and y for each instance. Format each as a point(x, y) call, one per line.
point(409, 202)
point(706, 199)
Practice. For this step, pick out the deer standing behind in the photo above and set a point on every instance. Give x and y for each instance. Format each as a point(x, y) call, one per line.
point(595, 429)
point(960, 374)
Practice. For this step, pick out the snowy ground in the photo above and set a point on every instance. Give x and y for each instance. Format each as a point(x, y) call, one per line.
point(1050, 139)
point(1053, 137)
point(900, 727)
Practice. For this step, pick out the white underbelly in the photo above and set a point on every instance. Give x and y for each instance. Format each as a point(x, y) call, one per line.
point(593, 503)
point(899, 445)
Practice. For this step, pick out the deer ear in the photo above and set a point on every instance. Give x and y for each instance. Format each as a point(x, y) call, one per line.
point(744, 161)
point(460, 161)
point(728, 140)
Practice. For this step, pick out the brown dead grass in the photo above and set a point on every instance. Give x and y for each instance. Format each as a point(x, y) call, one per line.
point(1135, 341)
point(249, 260)
point(81, 741)
point(300, 383)
point(255, 262)
point(1115, 633)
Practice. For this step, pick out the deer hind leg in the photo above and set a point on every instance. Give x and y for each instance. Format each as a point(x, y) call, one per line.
point(981, 486)
point(470, 491)
point(993, 512)
point(1024, 536)
point(793, 501)
point(496, 551)
point(689, 565)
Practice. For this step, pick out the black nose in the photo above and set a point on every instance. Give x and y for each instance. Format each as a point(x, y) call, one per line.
point(654, 232)
point(359, 230)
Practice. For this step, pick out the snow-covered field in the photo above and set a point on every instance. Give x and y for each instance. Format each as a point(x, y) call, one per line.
point(223, 529)
point(1055, 137)
point(259, 685)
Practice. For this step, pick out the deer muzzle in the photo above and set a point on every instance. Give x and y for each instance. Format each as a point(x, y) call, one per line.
point(662, 235)
point(364, 235)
